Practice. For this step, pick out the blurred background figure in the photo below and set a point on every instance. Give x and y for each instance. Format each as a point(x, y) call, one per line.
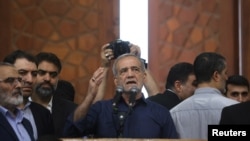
point(237, 88)
point(39, 117)
point(13, 126)
point(203, 108)
point(48, 70)
point(179, 85)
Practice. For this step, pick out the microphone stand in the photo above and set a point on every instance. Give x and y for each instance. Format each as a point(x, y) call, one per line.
point(119, 91)
point(122, 116)
point(133, 92)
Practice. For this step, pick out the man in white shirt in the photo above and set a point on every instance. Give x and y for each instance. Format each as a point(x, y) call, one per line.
point(193, 115)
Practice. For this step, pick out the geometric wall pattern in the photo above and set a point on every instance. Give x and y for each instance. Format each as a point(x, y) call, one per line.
point(72, 29)
point(181, 29)
point(75, 30)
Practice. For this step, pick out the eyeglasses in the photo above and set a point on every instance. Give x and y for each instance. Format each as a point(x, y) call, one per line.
point(12, 80)
point(52, 74)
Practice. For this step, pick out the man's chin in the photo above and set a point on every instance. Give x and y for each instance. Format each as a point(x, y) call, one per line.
point(27, 94)
point(17, 101)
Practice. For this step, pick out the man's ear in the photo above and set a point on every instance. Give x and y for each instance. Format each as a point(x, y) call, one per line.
point(115, 81)
point(216, 76)
point(145, 75)
point(178, 85)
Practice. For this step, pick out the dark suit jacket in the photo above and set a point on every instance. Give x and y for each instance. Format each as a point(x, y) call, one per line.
point(236, 114)
point(61, 109)
point(43, 119)
point(167, 99)
point(8, 134)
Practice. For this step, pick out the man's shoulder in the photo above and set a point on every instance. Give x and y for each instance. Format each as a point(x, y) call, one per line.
point(222, 101)
point(155, 105)
point(186, 104)
point(38, 107)
point(242, 105)
point(63, 102)
point(166, 95)
point(155, 97)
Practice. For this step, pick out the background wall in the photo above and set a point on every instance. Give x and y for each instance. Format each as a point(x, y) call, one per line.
point(181, 29)
point(75, 30)
point(245, 37)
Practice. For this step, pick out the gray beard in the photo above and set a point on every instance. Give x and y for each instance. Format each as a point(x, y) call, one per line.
point(17, 101)
point(7, 101)
point(44, 92)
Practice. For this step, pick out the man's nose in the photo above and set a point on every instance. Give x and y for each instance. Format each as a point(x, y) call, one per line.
point(28, 78)
point(47, 77)
point(130, 72)
point(240, 98)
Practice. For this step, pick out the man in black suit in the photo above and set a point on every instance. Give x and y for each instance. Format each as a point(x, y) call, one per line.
point(179, 85)
point(236, 114)
point(40, 117)
point(49, 67)
point(13, 126)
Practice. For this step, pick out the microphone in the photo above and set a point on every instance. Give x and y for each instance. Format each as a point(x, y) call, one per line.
point(118, 94)
point(133, 93)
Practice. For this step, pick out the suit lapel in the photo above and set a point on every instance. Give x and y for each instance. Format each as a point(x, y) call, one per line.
point(6, 126)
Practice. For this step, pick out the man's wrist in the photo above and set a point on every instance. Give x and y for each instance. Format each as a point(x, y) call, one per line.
point(105, 64)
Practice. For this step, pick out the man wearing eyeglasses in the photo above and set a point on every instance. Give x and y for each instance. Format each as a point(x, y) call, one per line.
point(40, 117)
point(13, 126)
point(49, 67)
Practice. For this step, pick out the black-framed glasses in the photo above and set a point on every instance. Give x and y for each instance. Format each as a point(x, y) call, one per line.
point(52, 74)
point(12, 80)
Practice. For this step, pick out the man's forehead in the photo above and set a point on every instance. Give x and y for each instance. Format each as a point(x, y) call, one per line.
point(129, 60)
point(236, 86)
point(23, 62)
point(8, 71)
point(129, 67)
point(47, 66)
